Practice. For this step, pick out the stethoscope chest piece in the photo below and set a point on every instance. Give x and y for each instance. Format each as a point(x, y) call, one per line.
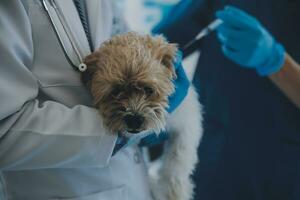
point(82, 67)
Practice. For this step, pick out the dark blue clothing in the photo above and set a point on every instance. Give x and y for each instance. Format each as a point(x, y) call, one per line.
point(251, 144)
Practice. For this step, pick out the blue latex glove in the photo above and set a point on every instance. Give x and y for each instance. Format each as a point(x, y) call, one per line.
point(182, 85)
point(154, 139)
point(246, 42)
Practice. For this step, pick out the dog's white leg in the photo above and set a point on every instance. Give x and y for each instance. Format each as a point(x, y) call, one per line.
point(180, 156)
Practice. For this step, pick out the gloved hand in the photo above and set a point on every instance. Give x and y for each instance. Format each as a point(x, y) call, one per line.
point(154, 139)
point(246, 42)
point(181, 83)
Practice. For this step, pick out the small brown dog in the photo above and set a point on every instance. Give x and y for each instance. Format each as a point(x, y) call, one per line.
point(131, 82)
point(130, 79)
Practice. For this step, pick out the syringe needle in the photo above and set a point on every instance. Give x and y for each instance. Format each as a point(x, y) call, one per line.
point(206, 31)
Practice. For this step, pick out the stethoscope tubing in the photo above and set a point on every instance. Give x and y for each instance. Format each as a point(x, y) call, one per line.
point(82, 66)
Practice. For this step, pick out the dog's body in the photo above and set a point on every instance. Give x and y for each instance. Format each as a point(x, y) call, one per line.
point(130, 80)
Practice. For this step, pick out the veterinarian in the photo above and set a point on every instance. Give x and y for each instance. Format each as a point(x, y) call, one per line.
point(52, 141)
point(248, 78)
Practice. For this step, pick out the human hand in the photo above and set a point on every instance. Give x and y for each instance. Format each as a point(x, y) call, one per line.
point(154, 139)
point(246, 42)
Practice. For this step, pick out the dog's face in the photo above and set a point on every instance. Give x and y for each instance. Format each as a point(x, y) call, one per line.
point(131, 81)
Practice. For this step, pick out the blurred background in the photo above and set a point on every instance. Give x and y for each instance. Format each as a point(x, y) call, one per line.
point(143, 15)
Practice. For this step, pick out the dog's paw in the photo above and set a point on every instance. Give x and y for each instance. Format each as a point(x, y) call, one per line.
point(171, 188)
point(158, 190)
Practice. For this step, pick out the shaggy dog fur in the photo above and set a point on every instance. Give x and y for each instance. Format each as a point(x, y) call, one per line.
point(130, 78)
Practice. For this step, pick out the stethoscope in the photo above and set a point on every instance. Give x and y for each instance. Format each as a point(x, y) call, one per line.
point(82, 67)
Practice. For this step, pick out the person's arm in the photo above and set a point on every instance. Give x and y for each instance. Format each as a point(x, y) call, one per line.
point(246, 42)
point(33, 134)
point(288, 79)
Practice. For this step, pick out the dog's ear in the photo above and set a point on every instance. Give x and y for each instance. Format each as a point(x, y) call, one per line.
point(92, 61)
point(166, 53)
point(168, 58)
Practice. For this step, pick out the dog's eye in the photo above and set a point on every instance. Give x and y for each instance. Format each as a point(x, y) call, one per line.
point(116, 92)
point(122, 108)
point(148, 90)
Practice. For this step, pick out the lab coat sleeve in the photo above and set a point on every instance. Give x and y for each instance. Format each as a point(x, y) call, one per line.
point(35, 135)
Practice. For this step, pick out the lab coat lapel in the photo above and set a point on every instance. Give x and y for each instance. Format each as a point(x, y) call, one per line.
point(73, 23)
point(100, 18)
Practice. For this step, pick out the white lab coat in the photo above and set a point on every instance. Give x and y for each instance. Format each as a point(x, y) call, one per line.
point(52, 141)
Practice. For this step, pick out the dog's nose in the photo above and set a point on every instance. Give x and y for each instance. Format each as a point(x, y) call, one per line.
point(134, 122)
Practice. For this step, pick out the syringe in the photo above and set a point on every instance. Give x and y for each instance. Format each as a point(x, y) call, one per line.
point(206, 31)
